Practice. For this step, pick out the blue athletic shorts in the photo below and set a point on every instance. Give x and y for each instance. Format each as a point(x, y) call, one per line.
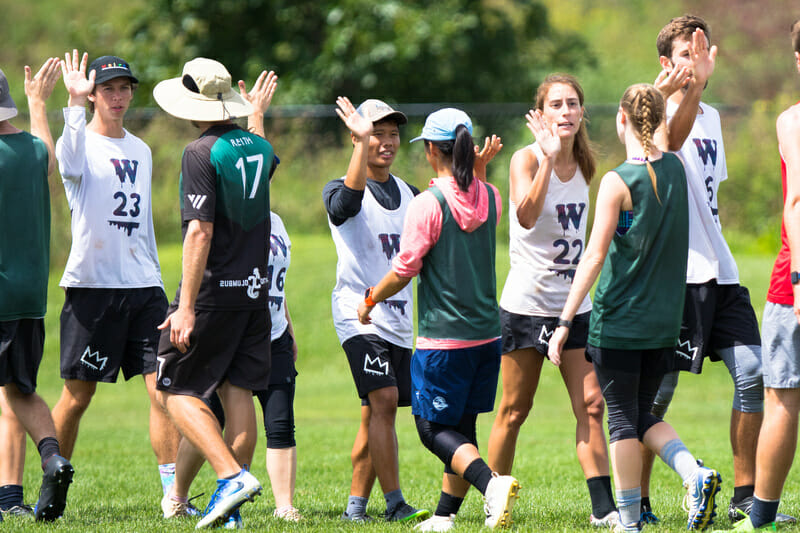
point(446, 384)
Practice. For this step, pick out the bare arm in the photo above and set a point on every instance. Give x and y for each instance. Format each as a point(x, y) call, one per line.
point(38, 89)
point(196, 245)
point(612, 198)
point(529, 178)
point(260, 97)
point(360, 129)
point(491, 147)
point(788, 127)
point(391, 284)
point(704, 60)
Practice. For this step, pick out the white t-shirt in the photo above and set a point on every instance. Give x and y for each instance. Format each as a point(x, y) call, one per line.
point(366, 244)
point(280, 255)
point(544, 258)
point(107, 183)
point(703, 153)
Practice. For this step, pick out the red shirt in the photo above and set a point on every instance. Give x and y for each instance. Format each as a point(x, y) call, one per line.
point(780, 286)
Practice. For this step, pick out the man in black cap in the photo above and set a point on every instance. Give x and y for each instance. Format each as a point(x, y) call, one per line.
point(114, 294)
point(25, 162)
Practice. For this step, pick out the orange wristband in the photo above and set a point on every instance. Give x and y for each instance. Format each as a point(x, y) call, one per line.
point(368, 298)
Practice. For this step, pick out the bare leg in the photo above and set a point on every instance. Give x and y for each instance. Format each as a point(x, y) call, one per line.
point(75, 398)
point(188, 462)
point(164, 436)
point(383, 438)
point(588, 407)
point(282, 470)
point(520, 373)
point(240, 421)
point(363, 472)
point(777, 441)
point(744, 438)
point(648, 459)
point(12, 444)
point(31, 411)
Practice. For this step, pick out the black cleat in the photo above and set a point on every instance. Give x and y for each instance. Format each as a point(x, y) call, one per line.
point(53, 494)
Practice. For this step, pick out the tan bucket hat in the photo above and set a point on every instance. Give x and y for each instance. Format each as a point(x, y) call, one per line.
point(203, 93)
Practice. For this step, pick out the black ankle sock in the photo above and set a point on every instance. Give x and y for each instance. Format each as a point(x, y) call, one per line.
point(448, 504)
point(600, 494)
point(646, 508)
point(478, 474)
point(10, 495)
point(48, 447)
point(741, 492)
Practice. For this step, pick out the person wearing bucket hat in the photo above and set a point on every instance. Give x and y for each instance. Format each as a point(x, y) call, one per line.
point(366, 209)
point(26, 160)
point(449, 241)
point(216, 337)
point(113, 261)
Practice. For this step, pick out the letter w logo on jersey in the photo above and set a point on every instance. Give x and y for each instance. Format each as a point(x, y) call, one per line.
point(706, 148)
point(125, 167)
point(197, 200)
point(390, 243)
point(573, 212)
point(276, 243)
point(374, 365)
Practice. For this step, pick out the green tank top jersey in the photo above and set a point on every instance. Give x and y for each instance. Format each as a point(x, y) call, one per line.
point(638, 303)
point(457, 289)
point(25, 227)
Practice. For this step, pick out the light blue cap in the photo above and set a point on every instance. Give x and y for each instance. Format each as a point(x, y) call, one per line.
point(441, 125)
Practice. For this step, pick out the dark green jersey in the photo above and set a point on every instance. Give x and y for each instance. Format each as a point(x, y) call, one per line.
point(24, 227)
point(225, 180)
point(457, 291)
point(638, 303)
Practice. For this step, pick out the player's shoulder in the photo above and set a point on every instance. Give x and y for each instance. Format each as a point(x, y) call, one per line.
point(789, 120)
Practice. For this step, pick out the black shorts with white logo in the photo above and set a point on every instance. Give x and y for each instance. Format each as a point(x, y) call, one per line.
point(21, 348)
point(225, 345)
point(714, 317)
point(376, 363)
point(523, 331)
point(103, 330)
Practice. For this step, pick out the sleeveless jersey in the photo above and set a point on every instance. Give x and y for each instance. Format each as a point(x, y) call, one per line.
point(365, 245)
point(544, 258)
point(457, 291)
point(704, 155)
point(638, 303)
point(780, 285)
point(280, 255)
point(25, 223)
point(107, 184)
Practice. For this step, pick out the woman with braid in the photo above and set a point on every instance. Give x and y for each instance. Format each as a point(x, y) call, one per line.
point(640, 241)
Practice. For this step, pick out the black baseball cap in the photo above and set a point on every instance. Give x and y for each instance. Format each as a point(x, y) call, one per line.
point(110, 67)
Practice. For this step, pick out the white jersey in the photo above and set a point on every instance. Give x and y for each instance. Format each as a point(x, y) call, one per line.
point(704, 155)
point(544, 258)
point(366, 244)
point(280, 255)
point(107, 183)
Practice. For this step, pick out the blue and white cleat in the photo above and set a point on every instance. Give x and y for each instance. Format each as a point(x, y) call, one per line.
point(699, 501)
point(229, 496)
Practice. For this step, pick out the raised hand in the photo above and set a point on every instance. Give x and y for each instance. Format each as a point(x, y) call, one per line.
point(491, 147)
point(669, 82)
point(546, 135)
point(360, 127)
point(75, 80)
point(39, 87)
point(703, 58)
point(260, 97)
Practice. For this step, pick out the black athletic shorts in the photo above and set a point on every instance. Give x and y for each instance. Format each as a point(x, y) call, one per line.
point(282, 370)
point(714, 317)
point(21, 348)
point(376, 363)
point(523, 331)
point(103, 330)
point(225, 345)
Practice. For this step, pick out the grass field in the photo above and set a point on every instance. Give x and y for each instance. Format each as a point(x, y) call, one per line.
point(116, 486)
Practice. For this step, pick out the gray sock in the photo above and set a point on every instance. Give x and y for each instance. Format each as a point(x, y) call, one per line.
point(678, 458)
point(393, 499)
point(629, 502)
point(356, 506)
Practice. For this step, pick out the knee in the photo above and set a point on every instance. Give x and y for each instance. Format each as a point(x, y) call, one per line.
point(280, 433)
point(622, 425)
point(513, 414)
point(77, 399)
point(595, 406)
point(383, 404)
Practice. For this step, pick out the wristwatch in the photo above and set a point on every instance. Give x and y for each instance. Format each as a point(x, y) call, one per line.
point(795, 277)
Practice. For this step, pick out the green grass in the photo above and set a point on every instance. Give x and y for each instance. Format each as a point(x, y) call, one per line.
point(116, 485)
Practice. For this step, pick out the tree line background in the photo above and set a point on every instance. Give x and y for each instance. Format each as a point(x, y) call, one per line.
point(486, 56)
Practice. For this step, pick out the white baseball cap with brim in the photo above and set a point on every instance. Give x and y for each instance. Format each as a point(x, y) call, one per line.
point(203, 93)
point(8, 109)
point(441, 125)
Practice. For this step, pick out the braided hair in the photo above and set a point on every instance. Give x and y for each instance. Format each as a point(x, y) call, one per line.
point(645, 106)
